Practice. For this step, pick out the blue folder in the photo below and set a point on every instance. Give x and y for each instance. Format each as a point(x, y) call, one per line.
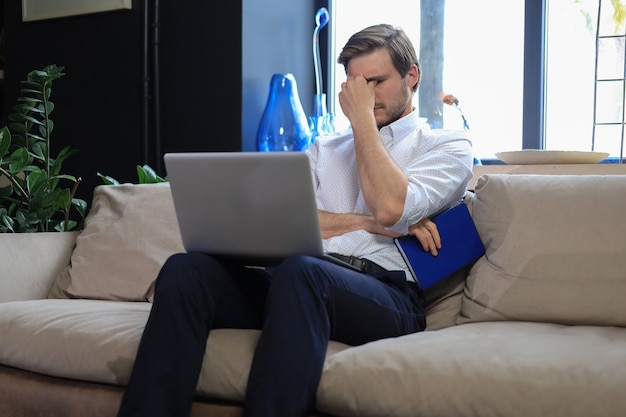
point(460, 246)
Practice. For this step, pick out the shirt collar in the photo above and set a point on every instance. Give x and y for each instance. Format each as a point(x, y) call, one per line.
point(399, 129)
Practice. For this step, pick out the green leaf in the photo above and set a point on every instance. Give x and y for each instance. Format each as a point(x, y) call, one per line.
point(19, 160)
point(16, 117)
point(106, 180)
point(21, 108)
point(22, 221)
point(80, 205)
point(5, 141)
point(64, 177)
point(8, 222)
point(33, 120)
point(147, 175)
point(64, 199)
point(39, 150)
point(32, 139)
point(50, 126)
point(5, 192)
point(34, 90)
point(36, 180)
point(31, 108)
point(43, 130)
point(18, 128)
point(47, 93)
point(142, 175)
point(66, 226)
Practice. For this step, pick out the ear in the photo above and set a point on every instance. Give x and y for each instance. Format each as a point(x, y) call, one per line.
point(413, 76)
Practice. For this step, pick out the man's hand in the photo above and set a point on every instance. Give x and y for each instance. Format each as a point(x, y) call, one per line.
point(427, 234)
point(356, 99)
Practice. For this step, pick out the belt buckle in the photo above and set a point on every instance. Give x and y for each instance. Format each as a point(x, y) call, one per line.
point(361, 264)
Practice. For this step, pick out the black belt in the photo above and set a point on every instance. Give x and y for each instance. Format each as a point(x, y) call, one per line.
point(362, 264)
point(369, 267)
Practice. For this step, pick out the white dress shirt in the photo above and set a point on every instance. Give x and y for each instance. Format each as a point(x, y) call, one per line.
point(438, 164)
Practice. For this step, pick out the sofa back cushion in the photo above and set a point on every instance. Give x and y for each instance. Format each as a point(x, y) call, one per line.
point(556, 250)
point(31, 262)
point(129, 232)
point(442, 302)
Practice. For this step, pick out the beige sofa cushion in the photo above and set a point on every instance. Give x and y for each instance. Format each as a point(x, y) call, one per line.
point(443, 301)
point(129, 233)
point(94, 340)
point(433, 373)
point(31, 263)
point(556, 250)
point(481, 369)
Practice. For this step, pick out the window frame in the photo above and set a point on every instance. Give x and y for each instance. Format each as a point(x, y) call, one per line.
point(534, 95)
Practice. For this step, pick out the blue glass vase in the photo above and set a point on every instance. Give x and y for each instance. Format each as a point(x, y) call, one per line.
point(321, 122)
point(284, 125)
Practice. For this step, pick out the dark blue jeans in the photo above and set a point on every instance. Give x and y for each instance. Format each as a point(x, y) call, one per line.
point(299, 305)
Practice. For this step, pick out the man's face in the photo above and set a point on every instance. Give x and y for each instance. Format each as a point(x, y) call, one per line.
point(393, 94)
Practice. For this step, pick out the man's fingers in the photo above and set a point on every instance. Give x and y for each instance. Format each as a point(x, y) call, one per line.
point(434, 232)
point(427, 234)
point(428, 244)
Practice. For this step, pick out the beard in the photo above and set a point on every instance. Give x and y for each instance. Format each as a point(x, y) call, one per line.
point(396, 109)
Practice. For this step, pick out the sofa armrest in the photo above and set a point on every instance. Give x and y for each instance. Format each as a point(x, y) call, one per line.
point(31, 262)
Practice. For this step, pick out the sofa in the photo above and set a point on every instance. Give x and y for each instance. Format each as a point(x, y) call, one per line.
point(535, 327)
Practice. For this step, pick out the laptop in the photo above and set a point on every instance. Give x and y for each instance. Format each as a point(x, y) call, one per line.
point(255, 207)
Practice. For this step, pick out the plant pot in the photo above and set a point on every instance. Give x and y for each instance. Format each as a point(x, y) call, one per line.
point(31, 262)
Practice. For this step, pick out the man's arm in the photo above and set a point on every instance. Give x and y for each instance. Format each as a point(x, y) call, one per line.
point(334, 224)
point(383, 183)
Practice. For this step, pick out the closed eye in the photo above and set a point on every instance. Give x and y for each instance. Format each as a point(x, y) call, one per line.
point(376, 80)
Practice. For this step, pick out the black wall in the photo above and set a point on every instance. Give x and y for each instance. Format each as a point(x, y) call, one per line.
point(138, 82)
point(200, 75)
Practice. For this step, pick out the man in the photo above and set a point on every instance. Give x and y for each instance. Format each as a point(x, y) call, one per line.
point(380, 180)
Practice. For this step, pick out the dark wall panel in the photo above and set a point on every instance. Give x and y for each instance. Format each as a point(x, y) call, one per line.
point(200, 61)
point(98, 101)
point(102, 103)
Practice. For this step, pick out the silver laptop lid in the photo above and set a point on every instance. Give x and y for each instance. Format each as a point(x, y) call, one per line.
point(258, 207)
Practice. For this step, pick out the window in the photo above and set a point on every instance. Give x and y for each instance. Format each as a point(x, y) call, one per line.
point(524, 74)
point(584, 76)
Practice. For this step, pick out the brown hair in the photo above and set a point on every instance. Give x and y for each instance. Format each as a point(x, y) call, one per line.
point(385, 36)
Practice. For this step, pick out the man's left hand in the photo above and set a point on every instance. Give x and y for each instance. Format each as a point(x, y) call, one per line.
point(427, 234)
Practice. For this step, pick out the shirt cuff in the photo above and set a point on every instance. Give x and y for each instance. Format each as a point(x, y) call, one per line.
point(408, 214)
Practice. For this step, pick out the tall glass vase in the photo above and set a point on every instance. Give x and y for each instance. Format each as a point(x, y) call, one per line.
point(321, 122)
point(284, 125)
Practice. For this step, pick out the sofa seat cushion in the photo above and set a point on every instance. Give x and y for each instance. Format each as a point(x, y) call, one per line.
point(481, 369)
point(97, 341)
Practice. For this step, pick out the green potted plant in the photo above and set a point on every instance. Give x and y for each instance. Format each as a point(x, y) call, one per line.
point(145, 175)
point(34, 195)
